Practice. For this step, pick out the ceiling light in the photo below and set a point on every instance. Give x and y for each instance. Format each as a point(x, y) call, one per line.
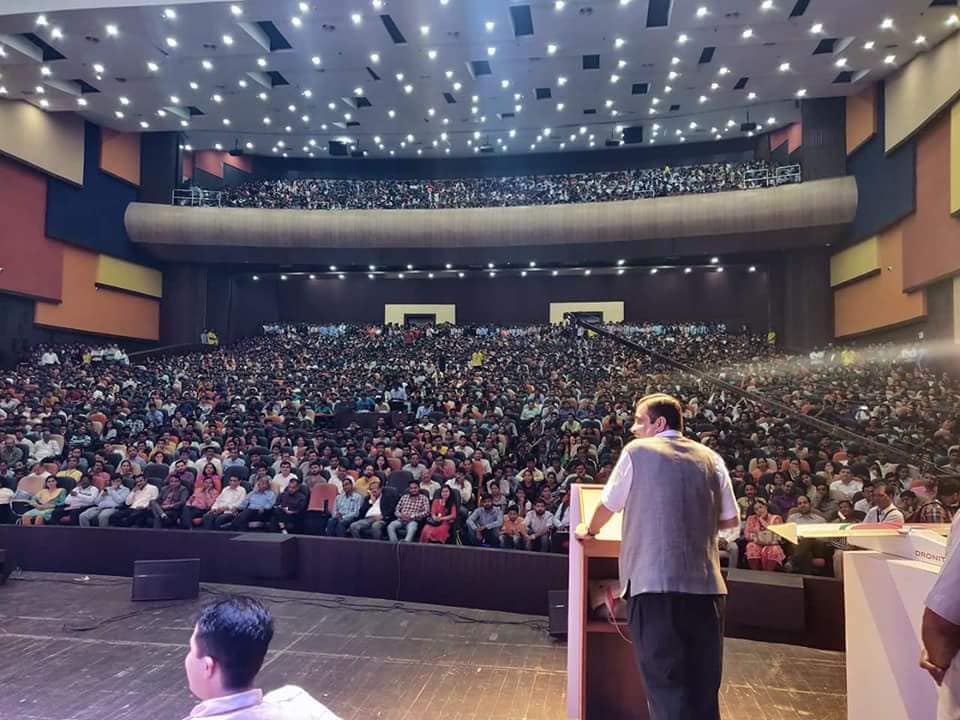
point(747, 33)
point(551, 48)
point(654, 101)
point(45, 71)
point(573, 137)
point(714, 86)
point(766, 5)
point(731, 122)
point(358, 91)
point(890, 59)
point(424, 29)
point(653, 271)
point(489, 25)
point(249, 145)
point(784, 66)
point(887, 24)
point(801, 92)
point(306, 118)
point(236, 10)
point(673, 74)
point(161, 113)
point(292, 108)
point(703, 99)
point(682, 38)
point(216, 146)
point(432, 54)
point(206, 64)
point(724, 70)
point(374, 58)
point(217, 98)
point(587, 271)
point(42, 20)
point(315, 59)
point(702, 11)
point(262, 62)
point(117, 113)
point(152, 66)
point(124, 100)
point(816, 28)
point(687, 271)
point(504, 84)
point(841, 62)
point(174, 99)
point(408, 89)
point(171, 42)
point(614, 78)
point(391, 113)
point(457, 86)
point(283, 277)
point(356, 18)
point(869, 45)
point(82, 102)
point(227, 40)
point(491, 51)
point(559, 5)
point(226, 121)
point(296, 21)
point(304, 7)
point(112, 30)
point(719, 269)
point(751, 96)
point(952, 20)
point(921, 39)
point(39, 89)
point(476, 134)
point(561, 81)
point(98, 68)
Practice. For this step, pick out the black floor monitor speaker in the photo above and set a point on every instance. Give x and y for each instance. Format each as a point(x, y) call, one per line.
point(166, 579)
point(557, 600)
point(266, 556)
point(6, 566)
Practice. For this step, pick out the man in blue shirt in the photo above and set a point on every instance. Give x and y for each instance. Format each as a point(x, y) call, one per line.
point(345, 510)
point(256, 506)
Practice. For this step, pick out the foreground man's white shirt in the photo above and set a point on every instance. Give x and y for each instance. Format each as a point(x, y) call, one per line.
point(287, 703)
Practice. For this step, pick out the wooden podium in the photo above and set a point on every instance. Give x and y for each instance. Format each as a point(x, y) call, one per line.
point(602, 676)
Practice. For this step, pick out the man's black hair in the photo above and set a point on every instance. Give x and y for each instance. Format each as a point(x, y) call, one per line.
point(236, 632)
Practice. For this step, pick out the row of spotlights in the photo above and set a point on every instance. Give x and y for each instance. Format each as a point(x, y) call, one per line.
point(493, 273)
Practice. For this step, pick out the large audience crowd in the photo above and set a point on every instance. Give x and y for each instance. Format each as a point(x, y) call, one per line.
point(345, 194)
point(473, 435)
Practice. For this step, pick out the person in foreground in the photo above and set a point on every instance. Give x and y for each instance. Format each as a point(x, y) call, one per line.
point(227, 648)
point(940, 630)
point(670, 572)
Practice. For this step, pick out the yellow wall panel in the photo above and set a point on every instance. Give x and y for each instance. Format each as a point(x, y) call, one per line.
point(123, 275)
point(394, 314)
point(120, 154)
point(856, 261)
point(879, 301)
point(920, 90)
point(48, 141)
point(88, 308)
point(955, 159)
point(612, 311)
point(861, 117)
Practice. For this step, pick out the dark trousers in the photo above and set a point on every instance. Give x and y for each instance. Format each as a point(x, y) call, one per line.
point(678, 643)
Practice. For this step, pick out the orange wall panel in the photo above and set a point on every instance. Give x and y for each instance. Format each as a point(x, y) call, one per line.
point(240, 162)
point(931, 236)
point(209, 161)
point(861, 118)
point(32, 263)
point(120, 154)
point(879, 301)
point(87, 308)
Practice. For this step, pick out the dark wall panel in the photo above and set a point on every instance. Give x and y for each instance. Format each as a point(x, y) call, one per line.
point(803, 281)
point(183, 309)
point(208, 181)
point(734, 297)
point(159, 171)
point(824, 138)
point(886, 183)
point(541, 163)
point(16, 326)
point(91, 216)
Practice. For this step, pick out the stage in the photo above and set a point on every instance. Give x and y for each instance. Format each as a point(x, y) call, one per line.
point(72, 650)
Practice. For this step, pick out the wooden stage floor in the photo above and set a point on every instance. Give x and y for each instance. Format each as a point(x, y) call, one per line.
point(83, 651)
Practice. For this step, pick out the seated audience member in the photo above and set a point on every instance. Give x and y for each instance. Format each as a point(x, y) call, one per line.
point(110, 499)
point(499, 500)
point(83, 497)
point(763, 545)
point(727, 546)
point(822, 503)
point(484, 523)
point(226, 507)
point(290, 508)
point(374, 514)
point(415, 467)
point(199, 502)
point(443, 514)
point(513, 531)
point(257, 506)
point(281, 480)
point(938, 509)
point(845, 486)
point(561, 517)
point(539, 526)
point(168, 507)
point(412, 507)
point(883, 510)
point(47, 448)
point(346, 509)
point(461, 484)
point(429, 485)
point(908, 504)
point(209, 471)
point(362, 483)
point(44, 503)
point(810, 555)
point(227, 648)
point(863, 500)
point(30, 485)
point(136, 508)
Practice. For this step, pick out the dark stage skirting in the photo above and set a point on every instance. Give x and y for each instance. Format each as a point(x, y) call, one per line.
point(774, 607)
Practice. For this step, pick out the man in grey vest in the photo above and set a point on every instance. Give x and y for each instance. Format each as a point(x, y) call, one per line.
point(675, 495)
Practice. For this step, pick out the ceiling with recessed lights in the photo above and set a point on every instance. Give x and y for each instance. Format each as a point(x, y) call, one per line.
point(439, 78)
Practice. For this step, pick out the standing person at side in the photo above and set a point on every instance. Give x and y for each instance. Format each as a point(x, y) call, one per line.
point(670, 572)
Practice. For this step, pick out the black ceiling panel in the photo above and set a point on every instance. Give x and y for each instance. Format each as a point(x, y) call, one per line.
point(274, 36)
point(799, 8)
point(591, 62)
point(706, 55)
point(658, 13)
point(825, 46)
point(741, 83)
point(449, 98)
point(48, 52)
point(522, 20)
point(480, 67)
point(543, 94)
point(640, 88)
point(392, 30)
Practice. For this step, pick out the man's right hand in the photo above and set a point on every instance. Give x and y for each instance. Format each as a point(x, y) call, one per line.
point(935, 671)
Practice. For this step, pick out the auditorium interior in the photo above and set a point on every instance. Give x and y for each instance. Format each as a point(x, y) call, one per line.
point(275, 274)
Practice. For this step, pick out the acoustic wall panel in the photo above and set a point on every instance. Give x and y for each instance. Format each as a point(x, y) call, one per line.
point(51, 142)
point(88, 308)
point(611, 311)
point(955, 159)
point(31, 263)
point(920, 90)
point(395, 314)
point(861, 118)
point(855, 262)
point(932, 235)
point(120, 155)
point(123, 275)
point(91, 215)
point(878, 301)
